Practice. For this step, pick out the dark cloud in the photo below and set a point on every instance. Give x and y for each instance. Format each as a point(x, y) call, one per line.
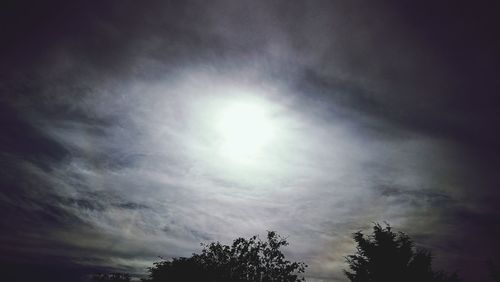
point(23, 140)
point(410, 197)
point(57, 271)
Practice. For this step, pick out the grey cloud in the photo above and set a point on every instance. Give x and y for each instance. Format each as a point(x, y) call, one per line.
point(98, 153)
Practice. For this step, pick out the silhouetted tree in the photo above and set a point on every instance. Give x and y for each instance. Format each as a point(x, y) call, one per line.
point(111, 277)
point(245, 260)
point(493, 272)
point(386, 256)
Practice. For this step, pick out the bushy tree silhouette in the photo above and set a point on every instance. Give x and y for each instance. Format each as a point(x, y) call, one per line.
point(493, 274)
point(111, 277)
point(386, 256)
point(245, 260)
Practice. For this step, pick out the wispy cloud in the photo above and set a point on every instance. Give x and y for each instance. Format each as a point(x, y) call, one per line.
point(110, 157)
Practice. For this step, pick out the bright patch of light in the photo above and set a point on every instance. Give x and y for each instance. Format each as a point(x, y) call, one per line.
point(240, 131)
point(244, 129)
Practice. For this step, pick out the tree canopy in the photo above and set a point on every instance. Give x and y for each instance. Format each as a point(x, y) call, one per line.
point(493, 274)
point(244, 260)
point(111, 277)
point(382, 256)
point(386, 256)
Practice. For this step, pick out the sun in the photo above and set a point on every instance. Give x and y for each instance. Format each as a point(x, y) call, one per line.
point(244, 129)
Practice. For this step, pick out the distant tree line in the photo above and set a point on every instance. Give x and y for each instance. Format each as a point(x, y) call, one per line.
point(382, 256)
point(111, 277)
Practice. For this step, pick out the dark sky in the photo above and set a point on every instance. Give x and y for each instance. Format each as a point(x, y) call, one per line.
point(111, 151)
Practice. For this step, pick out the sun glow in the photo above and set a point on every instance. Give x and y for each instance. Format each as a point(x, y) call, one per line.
point(244, 129)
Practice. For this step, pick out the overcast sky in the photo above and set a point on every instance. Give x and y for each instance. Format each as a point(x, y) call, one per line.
point(114, 120)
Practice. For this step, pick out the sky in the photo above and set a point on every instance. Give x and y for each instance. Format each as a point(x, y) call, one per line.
point(131, 130)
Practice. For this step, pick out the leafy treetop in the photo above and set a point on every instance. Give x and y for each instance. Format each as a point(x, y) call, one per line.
point(244, 260)
point(386, 256)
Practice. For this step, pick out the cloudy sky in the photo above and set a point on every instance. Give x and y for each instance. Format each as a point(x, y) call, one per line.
point(132, 130)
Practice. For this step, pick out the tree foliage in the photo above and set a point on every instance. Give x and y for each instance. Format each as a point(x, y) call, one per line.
point(493, 274)
point(386, 256)
point(111, 277)
point(244, 260)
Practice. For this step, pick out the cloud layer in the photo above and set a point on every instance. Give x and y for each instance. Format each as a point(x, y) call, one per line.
point(108, 156)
